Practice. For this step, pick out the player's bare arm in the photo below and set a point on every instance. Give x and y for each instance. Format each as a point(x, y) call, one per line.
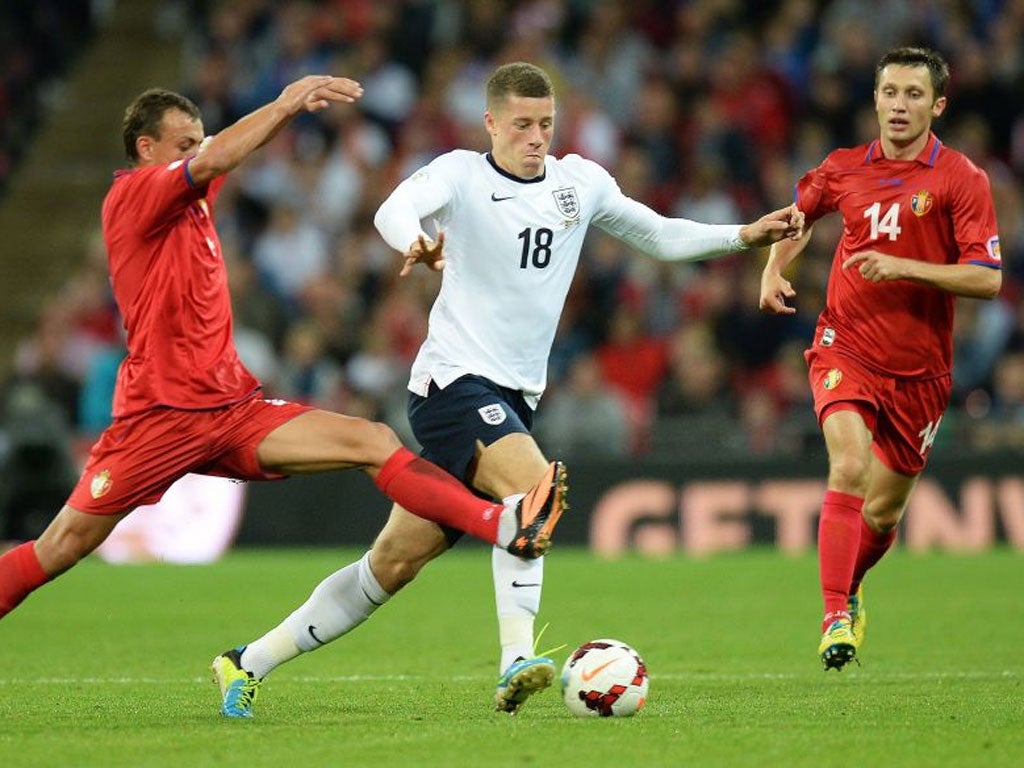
point(970, 280)
point(424, 251)
point(785, 223)
point(775, 288)
point(231, 146)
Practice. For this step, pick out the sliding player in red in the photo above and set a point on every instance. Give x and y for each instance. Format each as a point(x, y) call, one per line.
point(184, 402)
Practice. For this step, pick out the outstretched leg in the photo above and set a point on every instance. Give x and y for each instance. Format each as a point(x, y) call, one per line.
point(338, 604)
point(69, 537)
point(318, 441)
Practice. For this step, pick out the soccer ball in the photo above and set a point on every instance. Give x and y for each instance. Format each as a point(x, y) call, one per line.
point(604, 678)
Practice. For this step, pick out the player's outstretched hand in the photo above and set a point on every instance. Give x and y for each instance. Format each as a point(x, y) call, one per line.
point(423, 251)
point(785, 223)
point(775, 289)
point(315, 92)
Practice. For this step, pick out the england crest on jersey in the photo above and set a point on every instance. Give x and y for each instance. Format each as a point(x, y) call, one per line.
point(567, 202)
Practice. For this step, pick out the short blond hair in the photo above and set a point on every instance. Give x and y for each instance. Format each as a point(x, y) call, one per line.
point(518, 78)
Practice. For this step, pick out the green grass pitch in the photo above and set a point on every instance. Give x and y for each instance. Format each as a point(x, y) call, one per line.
point(108, 667)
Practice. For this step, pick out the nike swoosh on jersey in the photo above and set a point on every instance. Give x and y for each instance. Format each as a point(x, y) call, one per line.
point(495, 198)
point(525, 584)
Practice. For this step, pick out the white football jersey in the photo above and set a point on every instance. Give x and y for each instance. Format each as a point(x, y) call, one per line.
point(511, 249)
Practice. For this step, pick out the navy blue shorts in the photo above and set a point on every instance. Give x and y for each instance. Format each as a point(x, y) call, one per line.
point(448, 422)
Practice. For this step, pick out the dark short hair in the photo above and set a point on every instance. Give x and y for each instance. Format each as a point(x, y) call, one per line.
point(143, 116)
point(518, 79)
point(909, 56)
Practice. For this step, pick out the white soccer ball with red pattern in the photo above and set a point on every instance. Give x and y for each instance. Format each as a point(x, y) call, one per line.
point(604, 678)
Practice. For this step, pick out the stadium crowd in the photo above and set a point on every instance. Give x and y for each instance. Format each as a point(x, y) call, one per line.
point(38, 43)
point(707, 110)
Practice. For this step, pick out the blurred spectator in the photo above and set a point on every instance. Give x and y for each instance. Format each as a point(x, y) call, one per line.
point(750, 338)
point(39, 40)
point(585, 129)
point(750, 97)
point(390, 86)
point(602, 281)
point(376, 370)
point(213, 92)
point(584, 418)
point(55, 360)
point(273, 177)
point(704, 197)
point(291, 254)
point(333, 179)
point(335, 308)
point(573, 336)
point(792, 428)
point(698, 381)
point(305, 375)
point(654, 130)
point(633, 362)
point(254, 307)
point(1002, 426)
point(696, 410)
point(980, 332)
point(37, 471)
point(610, 59)
point(290, 50)
point(258, 355)
point(97, 393)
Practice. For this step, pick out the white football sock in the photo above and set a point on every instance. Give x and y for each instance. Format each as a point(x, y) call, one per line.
point(273, 649)
point(340, 603)
point(508, 525)
point(517, 590)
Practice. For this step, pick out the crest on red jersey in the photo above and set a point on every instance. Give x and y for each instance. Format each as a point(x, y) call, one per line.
point(921, 203)
point(832, 379)
point(100, 484)
point(993, 249)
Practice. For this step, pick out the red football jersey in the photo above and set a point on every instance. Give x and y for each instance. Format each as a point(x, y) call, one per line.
point(936, 208)
point(171, 286)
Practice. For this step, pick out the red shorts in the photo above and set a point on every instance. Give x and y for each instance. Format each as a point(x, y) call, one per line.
point(138, 457)
point(902, 414)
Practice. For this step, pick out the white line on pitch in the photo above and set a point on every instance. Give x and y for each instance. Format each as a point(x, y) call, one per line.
point(692, 676)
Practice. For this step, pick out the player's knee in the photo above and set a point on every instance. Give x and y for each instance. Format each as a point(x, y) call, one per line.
point(849, 474)
point(364, 442)
point(882, 517)
point(380, 440)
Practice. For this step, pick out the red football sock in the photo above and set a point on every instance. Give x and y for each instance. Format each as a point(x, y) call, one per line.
point(838, 542)
point(428, 491)
point(873, 545)
point(20, 574)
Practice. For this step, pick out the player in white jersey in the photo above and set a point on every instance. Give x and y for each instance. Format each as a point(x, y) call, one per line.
point(507, 228)
point(517, 241)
